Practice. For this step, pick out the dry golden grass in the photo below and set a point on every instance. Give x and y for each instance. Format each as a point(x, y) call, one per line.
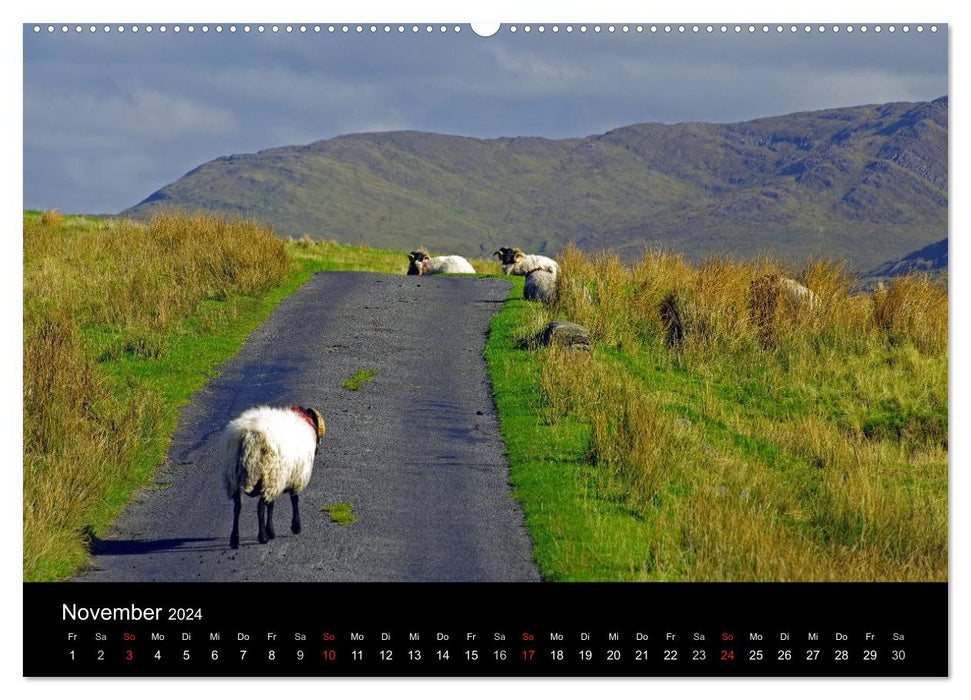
point(913, 309)
point(106, 290)
point(51, 217)
point(816, 447)
point(486, 266)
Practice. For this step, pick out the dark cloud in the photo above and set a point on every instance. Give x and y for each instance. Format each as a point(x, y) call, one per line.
point(110, 118)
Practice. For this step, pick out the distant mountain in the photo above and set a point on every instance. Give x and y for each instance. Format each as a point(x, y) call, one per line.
point(865, 184)
point(931, 259)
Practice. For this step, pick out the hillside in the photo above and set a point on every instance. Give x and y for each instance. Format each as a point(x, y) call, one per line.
point(931, 259)
point(866, 183)
point(713, 433)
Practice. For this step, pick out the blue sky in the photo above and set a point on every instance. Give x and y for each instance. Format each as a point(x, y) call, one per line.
point(110, 118)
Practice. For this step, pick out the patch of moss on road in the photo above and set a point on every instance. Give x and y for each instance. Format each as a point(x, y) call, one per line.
point(362, 376)
point(340, 513)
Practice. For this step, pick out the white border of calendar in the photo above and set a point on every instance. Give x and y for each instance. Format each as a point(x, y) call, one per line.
point(522, 11)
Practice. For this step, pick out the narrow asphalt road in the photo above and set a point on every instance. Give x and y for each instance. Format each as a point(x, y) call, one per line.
point(417, 450)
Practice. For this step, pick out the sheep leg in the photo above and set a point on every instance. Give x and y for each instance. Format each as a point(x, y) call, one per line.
point(295, 523)
point(270, 533)
point(261, 517)
point(234, 537)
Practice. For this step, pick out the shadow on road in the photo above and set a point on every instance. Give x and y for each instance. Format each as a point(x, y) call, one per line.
point(184, 544)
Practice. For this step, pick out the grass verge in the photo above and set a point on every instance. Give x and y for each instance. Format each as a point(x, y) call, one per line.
point(321, 256)
point(712, 436)
point(580, 531)
point(123, 322)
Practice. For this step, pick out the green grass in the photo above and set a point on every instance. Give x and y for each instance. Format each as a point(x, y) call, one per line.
point(340, 513)
point(190, 359)
point(815, 452)
point(115, 345)
point(362, 376)
point(820, 454)
point(123, 323)
point(323, 256)
point(581, 531)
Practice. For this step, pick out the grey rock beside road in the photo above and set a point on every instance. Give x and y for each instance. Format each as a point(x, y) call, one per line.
point(417, 450)
point(565, 334)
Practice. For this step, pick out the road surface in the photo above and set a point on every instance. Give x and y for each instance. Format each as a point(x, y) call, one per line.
point(417, 450)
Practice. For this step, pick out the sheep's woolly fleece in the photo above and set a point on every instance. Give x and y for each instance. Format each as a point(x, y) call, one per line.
point(525, 264)
point(275, 445)
point(453, 264)
point(799, 292)
point(540, 285)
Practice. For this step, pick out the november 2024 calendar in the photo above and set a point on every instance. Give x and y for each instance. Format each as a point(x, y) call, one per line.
point(515, 350)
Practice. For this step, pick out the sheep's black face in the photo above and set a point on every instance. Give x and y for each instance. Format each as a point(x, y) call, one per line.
point(415, 260)
point(505, 255)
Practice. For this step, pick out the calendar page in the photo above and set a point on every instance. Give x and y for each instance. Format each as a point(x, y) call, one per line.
point(515, 350)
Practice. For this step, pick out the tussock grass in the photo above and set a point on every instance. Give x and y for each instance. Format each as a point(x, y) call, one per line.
point(721, 431)
point(51, 217)
point(913, 309)
point(123, 321)
point(115, 321)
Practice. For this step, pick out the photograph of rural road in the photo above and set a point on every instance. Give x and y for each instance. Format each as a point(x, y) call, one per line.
point(562, 303)
point(418, 449)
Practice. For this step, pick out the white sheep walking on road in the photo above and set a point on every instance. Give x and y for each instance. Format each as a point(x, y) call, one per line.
point(419, 263)
point(269, 451)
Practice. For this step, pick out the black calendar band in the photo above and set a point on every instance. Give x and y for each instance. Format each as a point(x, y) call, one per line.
point(475, 629)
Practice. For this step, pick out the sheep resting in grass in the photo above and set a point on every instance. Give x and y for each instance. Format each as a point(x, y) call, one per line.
point(270, 451)
point(799, 293)
point(540, 285)
point(789, 290)
point(419, 263)
point(515, 262)
point(770, 294)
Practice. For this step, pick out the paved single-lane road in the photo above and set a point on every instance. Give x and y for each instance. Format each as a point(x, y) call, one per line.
point(417, 450)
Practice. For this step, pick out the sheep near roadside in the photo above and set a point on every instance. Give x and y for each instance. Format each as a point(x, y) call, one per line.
point(515, 262)
point(419, 263)
point(799, 294)
point(270, 451)
point(540, 285)
point(787, 290)
point(770, 293)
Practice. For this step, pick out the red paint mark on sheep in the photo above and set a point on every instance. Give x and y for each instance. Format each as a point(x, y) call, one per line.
point(306, 416)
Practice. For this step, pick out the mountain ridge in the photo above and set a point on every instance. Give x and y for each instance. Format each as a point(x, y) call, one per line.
point(931, 259)
point(866, 183)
